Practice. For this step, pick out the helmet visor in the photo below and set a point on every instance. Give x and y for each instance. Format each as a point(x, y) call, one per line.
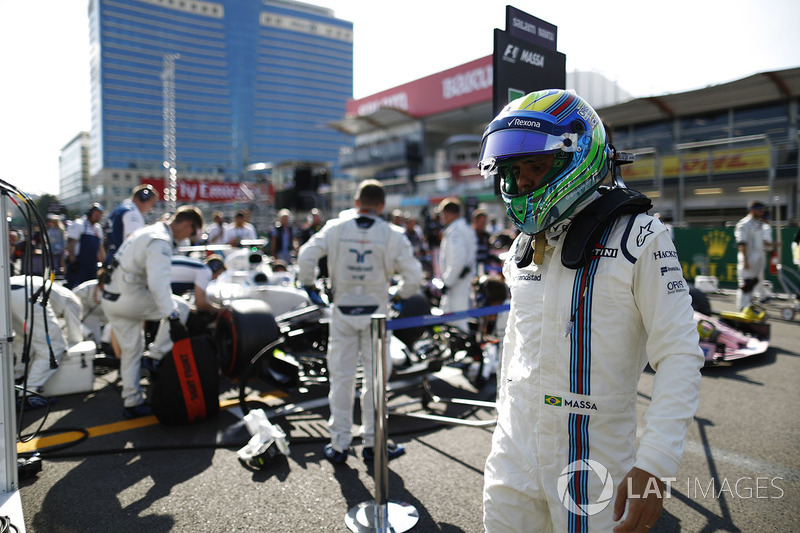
point(530, 175)
point(514, 142)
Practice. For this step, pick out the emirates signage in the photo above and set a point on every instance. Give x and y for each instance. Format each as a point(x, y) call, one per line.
point(191, 191)
point(467, 84)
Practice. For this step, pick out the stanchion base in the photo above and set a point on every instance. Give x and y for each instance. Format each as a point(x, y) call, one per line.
point(401, 517)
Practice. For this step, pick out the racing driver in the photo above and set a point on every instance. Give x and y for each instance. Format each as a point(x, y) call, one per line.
point(597, 293)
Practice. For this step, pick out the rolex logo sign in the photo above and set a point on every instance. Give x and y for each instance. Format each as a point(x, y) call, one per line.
point(716, 243)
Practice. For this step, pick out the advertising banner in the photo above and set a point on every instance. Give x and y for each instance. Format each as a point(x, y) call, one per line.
point(712, 252)
point(193, 191)
point(464, 85)
point(699, 164)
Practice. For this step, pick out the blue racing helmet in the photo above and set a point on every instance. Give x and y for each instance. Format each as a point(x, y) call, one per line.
point(551, 121)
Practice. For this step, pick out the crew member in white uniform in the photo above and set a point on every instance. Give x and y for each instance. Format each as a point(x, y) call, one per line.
point(456, 260)
point(597, 293)
point(364, 252)
point(93, 318)
point(751, 258)
point(84, 247)
point(27, 317)
point(66, 305)
point(140, 290)
point(192, 275)
point(129, 216)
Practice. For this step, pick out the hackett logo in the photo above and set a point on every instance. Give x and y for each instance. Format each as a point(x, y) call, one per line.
point(664, 254)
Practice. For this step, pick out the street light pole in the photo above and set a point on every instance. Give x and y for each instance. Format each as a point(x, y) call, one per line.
point(168, 118)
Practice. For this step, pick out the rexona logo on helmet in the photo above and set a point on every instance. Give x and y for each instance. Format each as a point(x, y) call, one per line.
point(551, 121)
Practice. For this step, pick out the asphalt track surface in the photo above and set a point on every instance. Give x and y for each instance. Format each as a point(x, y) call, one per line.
point(741, 469)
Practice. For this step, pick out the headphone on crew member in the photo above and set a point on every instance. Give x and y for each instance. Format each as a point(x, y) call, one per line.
point(144, 193)
point(94, 207)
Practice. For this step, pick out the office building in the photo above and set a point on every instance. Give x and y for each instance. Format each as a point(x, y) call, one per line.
point(211, 89)
point(73, 171)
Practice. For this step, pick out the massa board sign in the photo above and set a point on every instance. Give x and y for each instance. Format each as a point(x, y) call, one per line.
point(521, 67)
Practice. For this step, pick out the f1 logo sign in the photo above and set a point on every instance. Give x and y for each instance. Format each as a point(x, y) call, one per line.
point(511, 54)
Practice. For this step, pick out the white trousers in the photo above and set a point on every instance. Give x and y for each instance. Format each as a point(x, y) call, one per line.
point(126, 315)
point(457, 299)
point(349, 343)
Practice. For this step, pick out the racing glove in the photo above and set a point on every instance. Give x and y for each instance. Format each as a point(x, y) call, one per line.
point(396, 303)
point(314, 295)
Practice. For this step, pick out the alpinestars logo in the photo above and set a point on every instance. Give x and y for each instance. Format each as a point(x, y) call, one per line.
point(644, 233)
point(565, 478)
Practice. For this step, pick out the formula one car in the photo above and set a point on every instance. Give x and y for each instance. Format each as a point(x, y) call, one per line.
point(267, 317)
point(732, 336)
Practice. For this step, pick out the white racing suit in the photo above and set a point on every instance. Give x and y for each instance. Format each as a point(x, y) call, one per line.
point(363, 253)
point(94, 320)
point(32, 320)
point(139, 290)
point(66, 305)
point(457, 264)
point(576, 344)
point(750, 232)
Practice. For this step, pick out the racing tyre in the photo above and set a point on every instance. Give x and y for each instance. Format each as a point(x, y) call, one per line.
point(700, 301)
point(787, 313)
point(243, 329)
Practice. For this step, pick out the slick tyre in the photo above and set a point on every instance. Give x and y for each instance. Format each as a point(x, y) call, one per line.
point(244, 328)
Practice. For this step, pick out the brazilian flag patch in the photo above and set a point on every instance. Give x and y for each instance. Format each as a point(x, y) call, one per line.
point(552, 400)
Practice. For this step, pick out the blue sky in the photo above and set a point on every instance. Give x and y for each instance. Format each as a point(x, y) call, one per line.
point(647, 47)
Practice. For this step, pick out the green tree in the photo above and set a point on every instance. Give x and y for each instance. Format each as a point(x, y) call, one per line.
point(45, 201)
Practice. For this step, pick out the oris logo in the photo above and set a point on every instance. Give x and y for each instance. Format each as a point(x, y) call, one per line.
point(675, 286)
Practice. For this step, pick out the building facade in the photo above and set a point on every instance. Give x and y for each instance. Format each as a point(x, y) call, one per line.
point(73, 171)
point(701, 155)
point(211, 89)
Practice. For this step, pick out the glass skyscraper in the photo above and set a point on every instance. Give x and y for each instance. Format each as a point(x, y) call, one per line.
point(254, 81)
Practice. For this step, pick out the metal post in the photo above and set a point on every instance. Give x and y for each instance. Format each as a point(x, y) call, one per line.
point(380, 514)
point(381, 431)
point(8, 445)
point(10, 501)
